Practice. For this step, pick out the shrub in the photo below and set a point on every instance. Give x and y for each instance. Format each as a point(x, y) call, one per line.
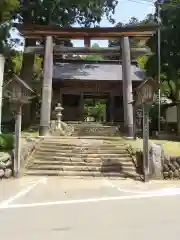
point(6, 141)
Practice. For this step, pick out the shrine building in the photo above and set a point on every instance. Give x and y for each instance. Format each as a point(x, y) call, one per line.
point(73, 83)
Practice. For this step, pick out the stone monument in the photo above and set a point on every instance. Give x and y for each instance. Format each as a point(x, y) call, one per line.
point(156, 156)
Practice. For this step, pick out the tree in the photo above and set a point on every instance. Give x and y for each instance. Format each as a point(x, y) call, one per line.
point(65, 13)
point(6, 14)
point(170, 49)
point(133, 41)
point(170, 53)
point(94, 57)
point(62, 13)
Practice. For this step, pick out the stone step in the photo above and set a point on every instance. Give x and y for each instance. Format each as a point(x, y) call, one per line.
point(91, 146)
point(81, 159)
point(58, 167)
point(104, 156)
point(83, 151)
point(82, 137)
point(80, 174)
point(80, 148)
point(95, 134)
point(80, 163)
point(86, 147)
point(102, 133)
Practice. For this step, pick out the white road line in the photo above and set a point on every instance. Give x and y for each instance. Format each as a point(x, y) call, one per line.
point(22, 193)
point(139, 192)
point(91, 200)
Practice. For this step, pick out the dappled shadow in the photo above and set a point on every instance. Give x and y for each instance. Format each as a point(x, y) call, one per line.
point(114, 166)
point(63, 71)
point(73, 71)
point(84, 158)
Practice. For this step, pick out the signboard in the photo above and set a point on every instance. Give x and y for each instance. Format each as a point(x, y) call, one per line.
point(144, 97)
point(144, 93)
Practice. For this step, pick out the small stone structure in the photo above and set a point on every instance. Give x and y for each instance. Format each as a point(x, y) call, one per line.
point(58, 110)
point(171, 168)
point(161, 166)
point(156, 157)
point(6, 165)
point(58, 127)
point(6, 159)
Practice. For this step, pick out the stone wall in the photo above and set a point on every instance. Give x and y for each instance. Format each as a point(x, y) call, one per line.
point(6, 163)
point(171, 168)
point(7, 158)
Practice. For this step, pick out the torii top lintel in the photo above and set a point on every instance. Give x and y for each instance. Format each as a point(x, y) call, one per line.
point(40, 31)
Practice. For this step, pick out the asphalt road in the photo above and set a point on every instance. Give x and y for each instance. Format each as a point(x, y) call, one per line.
point(57, 208)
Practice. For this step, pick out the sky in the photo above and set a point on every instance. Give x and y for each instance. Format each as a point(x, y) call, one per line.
point(124, 11)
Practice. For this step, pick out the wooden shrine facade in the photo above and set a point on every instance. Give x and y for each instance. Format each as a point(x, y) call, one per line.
point(74, 83)
point(72, 95)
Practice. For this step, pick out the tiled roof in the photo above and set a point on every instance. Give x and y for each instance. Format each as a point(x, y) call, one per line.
point(68, 71)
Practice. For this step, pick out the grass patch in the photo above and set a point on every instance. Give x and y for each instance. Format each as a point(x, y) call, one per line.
point(32, 131)
point(171, 148)
point(6, 142)
point(29, 134)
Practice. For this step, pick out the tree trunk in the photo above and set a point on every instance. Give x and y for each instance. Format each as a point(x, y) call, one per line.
point(178, 108)
point(2, 63)
point(27, 75)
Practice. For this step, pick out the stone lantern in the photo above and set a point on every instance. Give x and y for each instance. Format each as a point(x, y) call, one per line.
point(58, 111)
point(18, 93)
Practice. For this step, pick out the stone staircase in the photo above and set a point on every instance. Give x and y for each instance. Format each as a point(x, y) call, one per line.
point(94, 129)
point(72, 156)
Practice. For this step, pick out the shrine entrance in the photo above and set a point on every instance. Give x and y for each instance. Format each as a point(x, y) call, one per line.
point(96, 107)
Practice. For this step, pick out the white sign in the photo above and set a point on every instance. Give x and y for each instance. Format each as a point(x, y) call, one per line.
point(147, 92)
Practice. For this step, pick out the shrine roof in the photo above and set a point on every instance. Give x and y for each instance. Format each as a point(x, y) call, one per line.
point(96, 72)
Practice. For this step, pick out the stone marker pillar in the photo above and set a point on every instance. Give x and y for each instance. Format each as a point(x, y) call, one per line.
point(2, 63)
point(47, 88)
point(127, 86)
point(156, 156)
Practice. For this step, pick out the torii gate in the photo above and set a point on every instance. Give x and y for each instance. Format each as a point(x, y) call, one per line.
point(49, 32)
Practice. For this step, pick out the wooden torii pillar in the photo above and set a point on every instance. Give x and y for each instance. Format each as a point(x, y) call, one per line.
point(47, 88)
point(127, 86)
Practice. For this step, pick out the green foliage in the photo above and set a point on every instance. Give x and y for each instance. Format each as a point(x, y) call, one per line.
point(133, 41)
point(97, 111)
point(66, 13)
point(6, 141)
point(170, 49)
point(7, 8)
point(14, 63)
point(95, 57)
point(142, 61)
